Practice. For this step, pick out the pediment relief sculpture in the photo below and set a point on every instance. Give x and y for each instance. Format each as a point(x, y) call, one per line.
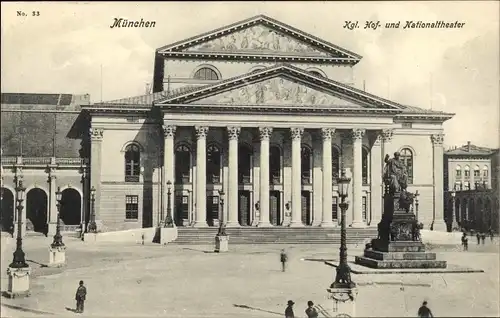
point(257, 38)
point(277, 91)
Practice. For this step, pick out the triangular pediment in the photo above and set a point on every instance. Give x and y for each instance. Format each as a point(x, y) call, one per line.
point(279, 86)
point(278, 91)
point(260, 35)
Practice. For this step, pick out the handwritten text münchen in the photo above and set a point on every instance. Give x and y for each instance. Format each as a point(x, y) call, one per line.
point(124, 23)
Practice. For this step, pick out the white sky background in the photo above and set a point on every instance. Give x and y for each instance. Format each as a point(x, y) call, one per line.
point(61, 50)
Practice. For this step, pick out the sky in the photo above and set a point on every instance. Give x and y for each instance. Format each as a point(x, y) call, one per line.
point(61, 50)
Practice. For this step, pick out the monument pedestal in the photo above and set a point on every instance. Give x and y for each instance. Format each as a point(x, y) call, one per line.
point(221, 243)
point(399, 244)
point(90, 237)
point(19, 282)
point(344, 302)
point(57, 256)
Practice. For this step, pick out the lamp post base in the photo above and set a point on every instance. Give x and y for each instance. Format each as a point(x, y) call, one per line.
point(221, 243)
point(344, 301)
point(19, 282)
point(57, 256)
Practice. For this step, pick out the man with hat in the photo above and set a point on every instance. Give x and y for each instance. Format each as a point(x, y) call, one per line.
point(80, 296)
point(311, 312)
point(289, 310)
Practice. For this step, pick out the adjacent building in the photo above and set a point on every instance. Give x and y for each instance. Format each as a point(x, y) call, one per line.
point(472, 175)
point(259, 110)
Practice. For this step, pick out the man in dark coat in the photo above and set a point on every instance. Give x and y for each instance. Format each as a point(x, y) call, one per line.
point(289, 310)
point(424, 311)
point(311, 312)
point(283, 259)
point(81, 293)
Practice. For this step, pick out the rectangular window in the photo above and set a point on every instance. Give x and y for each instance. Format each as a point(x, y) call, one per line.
point(132, 207)
point(458, 173)
point(466, 173)
point(363, 208)
point(477, 173)
point(406, 125)
point(335, 208)
point(485, 173)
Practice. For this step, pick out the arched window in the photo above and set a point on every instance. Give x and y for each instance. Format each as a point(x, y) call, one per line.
point(335, 165)
point(132, 163)
point(316, 73)
point(407, 159)
point(364, 164)
point(458, 172)
point(306, 155)
point(206, 73)
point(485, 172)
point(467, 172)
point(477, 172)
point(182, 164)
point(244, 163)
point(213, 164)
point(275, 165)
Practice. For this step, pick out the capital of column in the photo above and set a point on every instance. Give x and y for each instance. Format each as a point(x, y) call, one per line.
point(327, 133)
point(201, 132)
point(265, 133)
point(96, 134)
point(357, 134)
point(169, 131)
point(387, 135)
point(233, 132)
point(437, 139)
point(296, 133)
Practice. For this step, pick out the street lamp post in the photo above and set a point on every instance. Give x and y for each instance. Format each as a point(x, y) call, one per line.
point(168, 219)
point(343, 276)
point(454, 224)
point(57, 256)
point(221, 239)
point(19, 271)
point(343, 290)
point(92, 228)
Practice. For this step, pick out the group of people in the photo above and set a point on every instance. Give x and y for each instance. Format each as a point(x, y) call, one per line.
point(311, 310)
point(480, 236)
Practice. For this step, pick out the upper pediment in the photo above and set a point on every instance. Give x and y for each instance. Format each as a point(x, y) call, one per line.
point(260, 36)
point(281, 86)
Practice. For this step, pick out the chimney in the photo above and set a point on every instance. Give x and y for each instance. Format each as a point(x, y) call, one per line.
point(468, 146)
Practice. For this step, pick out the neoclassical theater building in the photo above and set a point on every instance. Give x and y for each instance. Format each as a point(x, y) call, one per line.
point(268, 115)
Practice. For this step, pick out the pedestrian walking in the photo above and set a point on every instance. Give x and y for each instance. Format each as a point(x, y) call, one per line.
point(483, 237)
point(490, 232)
point(289, 310)
point(478, 236)
point(283, 259)
point(311, 312)
point(465, 242)
point(424, 311)
point(80, 296)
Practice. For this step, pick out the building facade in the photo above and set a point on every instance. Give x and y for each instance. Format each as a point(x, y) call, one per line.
point(266, 114)
point(472, 175)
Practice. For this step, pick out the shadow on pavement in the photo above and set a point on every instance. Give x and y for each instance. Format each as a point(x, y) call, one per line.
point(257, 309)
point(35, 262)
point(70, 309)
point(26, 309)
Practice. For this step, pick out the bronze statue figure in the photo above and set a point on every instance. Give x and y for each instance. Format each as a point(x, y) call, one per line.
point(395, 174)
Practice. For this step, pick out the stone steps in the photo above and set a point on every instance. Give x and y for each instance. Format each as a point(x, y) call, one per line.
point(273, 235)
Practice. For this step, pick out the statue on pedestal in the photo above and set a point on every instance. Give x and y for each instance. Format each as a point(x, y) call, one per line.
point(395, 174)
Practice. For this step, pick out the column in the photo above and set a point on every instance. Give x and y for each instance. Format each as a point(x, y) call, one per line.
point(265, 135)
point(85, 196)
point(296, 134)
point(376, 186)
point(232, 198)
point(386, 140)
point(168, 169)
point(437, 162)
point(52, 213)
point(357, 178)
point(96, 136)
point(326, 134)
point(201, 177)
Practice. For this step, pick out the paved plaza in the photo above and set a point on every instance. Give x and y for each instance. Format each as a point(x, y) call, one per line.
point(192, 281)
